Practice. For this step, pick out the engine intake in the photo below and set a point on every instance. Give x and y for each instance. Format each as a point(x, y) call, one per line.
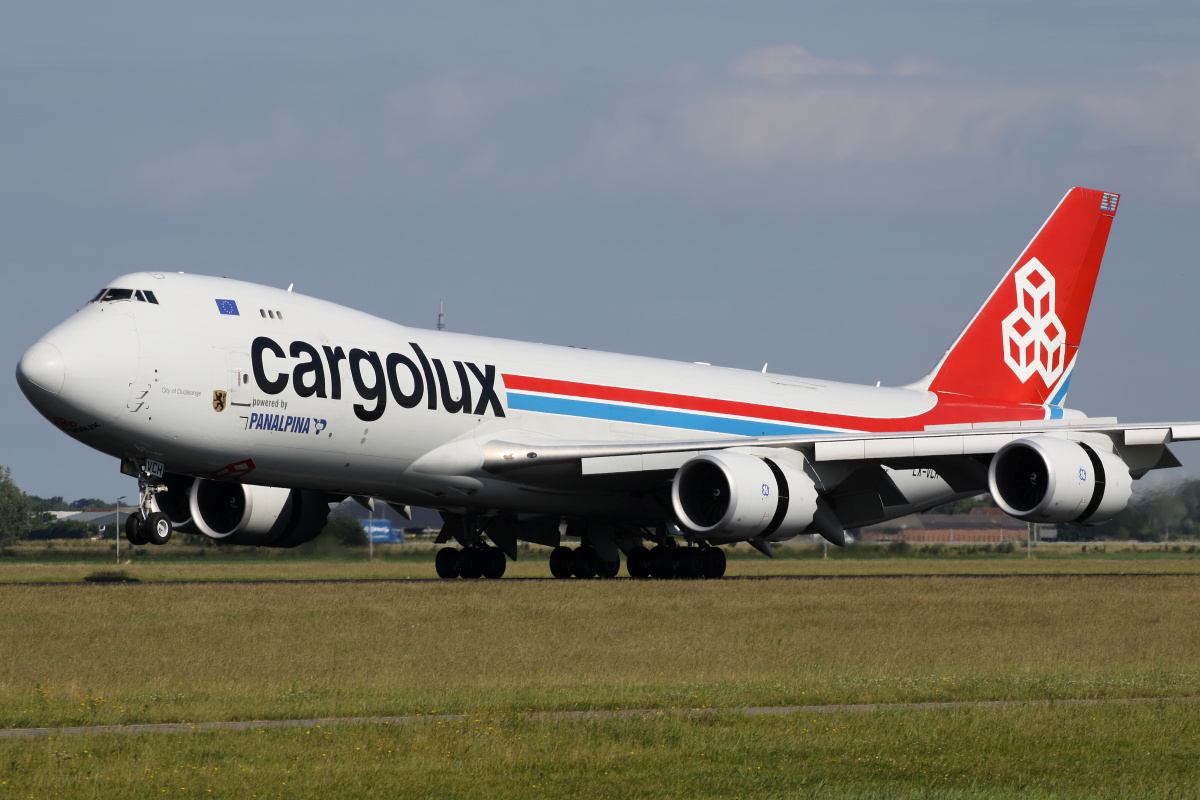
point(1047, 479)
point(735, 496)
point(257, 515)
point(174, 502)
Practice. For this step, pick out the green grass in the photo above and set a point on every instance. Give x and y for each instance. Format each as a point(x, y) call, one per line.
point(144, 652)
point(120, 653)
point(1049, 752)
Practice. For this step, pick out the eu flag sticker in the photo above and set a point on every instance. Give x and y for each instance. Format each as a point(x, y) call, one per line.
point(227, 307)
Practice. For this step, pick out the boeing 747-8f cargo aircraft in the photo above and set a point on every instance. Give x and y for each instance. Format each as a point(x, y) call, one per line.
point(245, 410)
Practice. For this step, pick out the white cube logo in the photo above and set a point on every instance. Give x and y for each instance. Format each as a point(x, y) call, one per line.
point(1034, 338)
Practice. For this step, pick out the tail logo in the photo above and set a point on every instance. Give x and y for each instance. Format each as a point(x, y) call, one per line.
point(1034, 337)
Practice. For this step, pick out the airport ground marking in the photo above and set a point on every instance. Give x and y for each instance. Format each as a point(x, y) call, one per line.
point(619, 713)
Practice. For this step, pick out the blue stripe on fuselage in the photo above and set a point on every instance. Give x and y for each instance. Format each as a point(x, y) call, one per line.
point(652, 416)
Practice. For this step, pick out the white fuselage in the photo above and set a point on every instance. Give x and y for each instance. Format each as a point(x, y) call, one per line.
point(303, 407)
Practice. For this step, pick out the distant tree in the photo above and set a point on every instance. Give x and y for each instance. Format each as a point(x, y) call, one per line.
point(42, 504)
point(1172, 512)
point(90, 502)
point(14, 509)
point(345, 530)
point(60, 529)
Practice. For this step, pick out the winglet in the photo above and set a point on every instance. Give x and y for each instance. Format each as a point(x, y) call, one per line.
point(1020, 347)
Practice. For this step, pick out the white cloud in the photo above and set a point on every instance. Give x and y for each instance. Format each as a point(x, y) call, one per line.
point(457, 102)
point(914, 127)
point(785, 62)
point(780, 124)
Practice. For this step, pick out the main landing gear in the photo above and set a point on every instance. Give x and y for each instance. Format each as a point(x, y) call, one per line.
point(663, 561)
point(668, 561)
point(581, 562)
point(147, 526)
point(482, 561)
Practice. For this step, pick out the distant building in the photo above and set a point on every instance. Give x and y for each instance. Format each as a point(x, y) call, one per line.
point(99, 516)
point(981, 526)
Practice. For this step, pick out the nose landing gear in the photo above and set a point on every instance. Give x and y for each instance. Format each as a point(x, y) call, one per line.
point(147, 526)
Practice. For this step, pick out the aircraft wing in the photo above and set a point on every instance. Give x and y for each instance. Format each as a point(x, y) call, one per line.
point(941, 444)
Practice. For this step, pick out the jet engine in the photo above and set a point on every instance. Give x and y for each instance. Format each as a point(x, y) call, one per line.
point(727, 496)
point(174, 502)
point(258, 515)
point(1047, 479)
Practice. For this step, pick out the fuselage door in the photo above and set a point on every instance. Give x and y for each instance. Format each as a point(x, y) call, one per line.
point(239, 377)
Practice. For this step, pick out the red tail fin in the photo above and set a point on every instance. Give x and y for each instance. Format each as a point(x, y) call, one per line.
point(1020, 347)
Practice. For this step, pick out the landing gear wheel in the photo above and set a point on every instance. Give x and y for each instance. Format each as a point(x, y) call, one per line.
point(609, 569)
point(638, 562)
point(156, 528)
point(494, 562)
point(713, 560)
point(446, 562)
point(562, 562)
point(133, 529)
point(688, 563)
point(662, 562)
point(587, 562)
point(471, 562)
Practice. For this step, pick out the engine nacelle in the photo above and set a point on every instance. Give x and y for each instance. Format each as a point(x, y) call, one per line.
point(1047, 479)
point(735, 496)
point(258, 515)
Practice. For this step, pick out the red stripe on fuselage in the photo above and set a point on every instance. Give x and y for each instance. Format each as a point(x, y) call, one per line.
point(949, 409)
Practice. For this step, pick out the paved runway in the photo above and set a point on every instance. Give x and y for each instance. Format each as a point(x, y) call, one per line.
point(910, 576)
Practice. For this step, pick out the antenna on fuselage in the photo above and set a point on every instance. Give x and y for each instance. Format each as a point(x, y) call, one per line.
point(441, 316)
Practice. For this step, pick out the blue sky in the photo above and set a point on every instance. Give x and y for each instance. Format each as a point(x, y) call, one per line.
point(830, 187)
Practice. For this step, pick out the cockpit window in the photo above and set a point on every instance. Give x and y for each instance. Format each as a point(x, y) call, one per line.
point(108, 295)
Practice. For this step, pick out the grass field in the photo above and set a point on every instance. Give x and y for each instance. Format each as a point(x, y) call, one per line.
point(1063, 752)
point(82, 654)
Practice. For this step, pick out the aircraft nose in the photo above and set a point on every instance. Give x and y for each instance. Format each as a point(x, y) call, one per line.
point(42, 365)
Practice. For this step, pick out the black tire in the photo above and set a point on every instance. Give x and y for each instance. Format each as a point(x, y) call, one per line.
point(714, 562)
point(637, 562)
point(471, 562)
point(662, 562)
point(586, 562)
point(494, 563)
point(609, 569)
point(133, 529)
point(562, 562)
point(688, 564)
point(446, 562)
point(157, 528)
